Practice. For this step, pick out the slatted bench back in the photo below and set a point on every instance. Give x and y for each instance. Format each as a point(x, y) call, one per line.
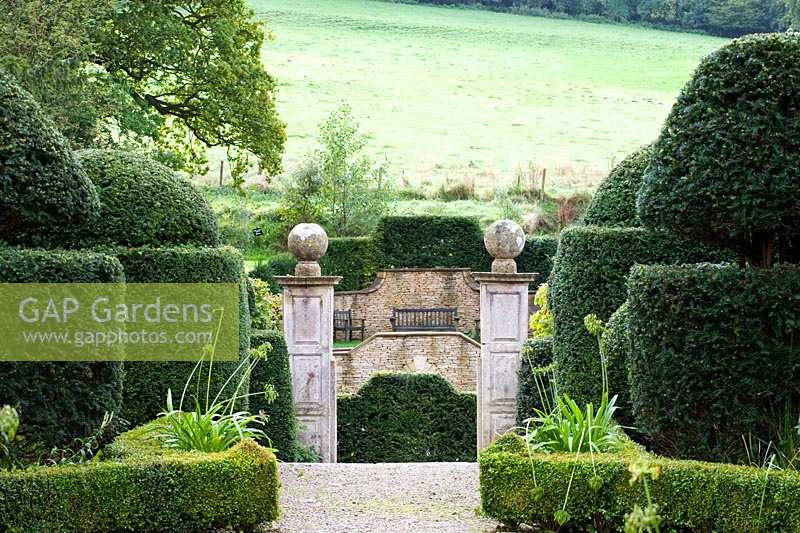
point(425, 319)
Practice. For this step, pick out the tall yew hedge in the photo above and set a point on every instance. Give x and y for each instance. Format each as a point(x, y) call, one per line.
point(714, 355)
point(589, 276)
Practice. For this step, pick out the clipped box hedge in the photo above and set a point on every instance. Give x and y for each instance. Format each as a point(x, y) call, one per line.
point(715, 355)
point(146, 382)
point(142, 487)
point(59, 401)
point(142, 203)
point(614, 201)
point(691, 495)
point(589, 276)
point(536, 360)
point(400, 418)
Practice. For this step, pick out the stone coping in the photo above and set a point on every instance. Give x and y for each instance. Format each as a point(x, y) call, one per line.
point(412, 334)
point(504, 277)
point(300, 281)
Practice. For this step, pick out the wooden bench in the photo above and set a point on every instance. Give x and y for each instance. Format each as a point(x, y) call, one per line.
point(343, 321)
point(425, 319)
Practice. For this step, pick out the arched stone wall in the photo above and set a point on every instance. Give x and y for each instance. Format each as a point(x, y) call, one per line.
point(452, 355)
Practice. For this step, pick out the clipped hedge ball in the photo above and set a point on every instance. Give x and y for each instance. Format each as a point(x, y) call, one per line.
point(726, 168)
point(144, 203)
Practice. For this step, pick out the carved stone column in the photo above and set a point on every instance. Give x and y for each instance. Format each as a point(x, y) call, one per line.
point(308, 329)
point(504, 329)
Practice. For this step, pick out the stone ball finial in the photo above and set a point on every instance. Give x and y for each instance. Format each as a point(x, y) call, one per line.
point(504, 240)
point(308, 243)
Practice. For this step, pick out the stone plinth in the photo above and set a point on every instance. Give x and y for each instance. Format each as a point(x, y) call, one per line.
point(308, 328)
point(504, 329)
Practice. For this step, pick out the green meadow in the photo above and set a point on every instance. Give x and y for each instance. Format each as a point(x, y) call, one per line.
point(458, 94)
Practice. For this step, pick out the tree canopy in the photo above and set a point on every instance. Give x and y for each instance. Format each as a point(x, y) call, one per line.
point(172, 77)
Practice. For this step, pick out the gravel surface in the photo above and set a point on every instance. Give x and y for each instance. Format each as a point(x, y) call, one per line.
point(376, 498)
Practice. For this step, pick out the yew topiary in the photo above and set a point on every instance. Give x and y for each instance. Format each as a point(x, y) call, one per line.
point(726, 168)
point(144, 203)
point(614, 203)
point(42, 186)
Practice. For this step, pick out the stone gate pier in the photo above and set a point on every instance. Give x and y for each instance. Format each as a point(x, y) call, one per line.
point(504, 329)
point(308, 329)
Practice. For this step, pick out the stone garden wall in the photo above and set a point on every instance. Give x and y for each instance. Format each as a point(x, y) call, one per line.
point(452, 355)
point(400, 288)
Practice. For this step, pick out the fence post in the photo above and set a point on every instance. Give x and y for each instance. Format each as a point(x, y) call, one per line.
point(308, 329)
point(504, 329)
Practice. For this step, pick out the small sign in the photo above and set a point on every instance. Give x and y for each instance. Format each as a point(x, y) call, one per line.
point(258, 232)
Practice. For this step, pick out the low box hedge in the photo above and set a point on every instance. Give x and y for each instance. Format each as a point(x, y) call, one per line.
point(714, 355)
point(400, 418)
point(691, 495)
point(141, 487)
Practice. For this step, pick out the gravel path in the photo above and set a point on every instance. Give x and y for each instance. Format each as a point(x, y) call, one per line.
point(377, 498)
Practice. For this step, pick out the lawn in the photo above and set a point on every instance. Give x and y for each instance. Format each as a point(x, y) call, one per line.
point(447, 92)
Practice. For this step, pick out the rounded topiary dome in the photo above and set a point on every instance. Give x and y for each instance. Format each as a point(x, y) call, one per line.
point(614, 202)
point(144, 203)
point(726, 169)
point(42, 186)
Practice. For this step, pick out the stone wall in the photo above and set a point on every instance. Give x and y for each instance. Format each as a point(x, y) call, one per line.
point(413, 288)
point(452, 355)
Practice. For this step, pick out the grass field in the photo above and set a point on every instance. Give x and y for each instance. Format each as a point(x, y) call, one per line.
point(451, 92)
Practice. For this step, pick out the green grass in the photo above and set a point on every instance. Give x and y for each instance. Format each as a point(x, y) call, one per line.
point(338, 345)
point(447, 92)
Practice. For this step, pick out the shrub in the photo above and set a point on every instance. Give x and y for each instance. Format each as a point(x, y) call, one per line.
point(540, 323)
point(615, 343)
point(724, 170)
point(534, 376)
point(266, 308)
point(714, 355)
point(614, 202)
point(144, 203)
point(58, 401)
point(276, 265)
point(589, 276)
point(147, 382)
point(145, 488)
point(42, 184)
point(407, 418)
point(431, 241)
point(355, 259)
point(537, 256)
point(281, 426)
point(691, 496)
